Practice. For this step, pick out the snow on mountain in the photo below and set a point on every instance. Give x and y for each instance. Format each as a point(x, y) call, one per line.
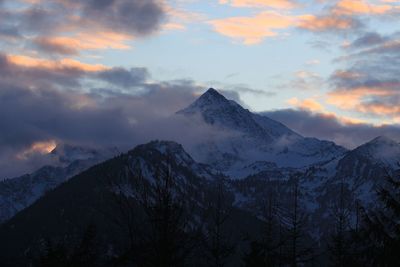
point(275, 128)
point(381, 150)
point(20, 192)
point(361, 172)
point(365, 168)
point(259, 155)
point(370, 160)
point(216, 110)
point(269, 159)
point(176, 152)
point(252, 138)
point(86, 198)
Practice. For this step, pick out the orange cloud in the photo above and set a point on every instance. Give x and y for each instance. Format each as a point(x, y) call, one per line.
point(352, 99)
point(44, 147)
point(315, 107)
point(360, 7)
point(379, 108)
point(280, 4)
point(88, 41)
point(322, 23)
point(349, 120)
point(183, 15)
point(341, 15)
point(307, 104)
point(252, 30)
point(179, 18)
point(30, 62)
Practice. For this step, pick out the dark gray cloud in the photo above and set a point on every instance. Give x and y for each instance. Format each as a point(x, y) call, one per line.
point(368, 39)
point(9, 31)
point(37, 23)
point(328, 127)
point(38, 105)
point(123, 77)
point(8, 25)
point(48, 100)
point(92, 109)
point(375, 45)
point(139, 17)
point(42, 19)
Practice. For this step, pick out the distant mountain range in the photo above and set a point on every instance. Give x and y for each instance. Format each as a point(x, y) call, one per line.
point(257, 157)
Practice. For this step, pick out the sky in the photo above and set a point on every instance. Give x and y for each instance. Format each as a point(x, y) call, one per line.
point(97, 72)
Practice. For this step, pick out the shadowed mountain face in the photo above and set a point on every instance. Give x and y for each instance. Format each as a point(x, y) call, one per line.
point(92, 197)
point(365, 168)
point(20, 192)
point(258, 158)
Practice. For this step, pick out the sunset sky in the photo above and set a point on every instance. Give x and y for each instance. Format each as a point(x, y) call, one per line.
point(89, 71)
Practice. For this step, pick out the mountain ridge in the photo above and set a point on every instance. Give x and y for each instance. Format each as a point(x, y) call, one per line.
point(251, 167)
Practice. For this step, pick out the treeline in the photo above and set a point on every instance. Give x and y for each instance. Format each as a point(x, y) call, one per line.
point(161, 225)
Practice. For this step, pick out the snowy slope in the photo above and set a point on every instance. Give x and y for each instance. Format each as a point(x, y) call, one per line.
point(252, 138)
point(216, 110)
point(272, 161)
point(364, 169)
point(260, 156)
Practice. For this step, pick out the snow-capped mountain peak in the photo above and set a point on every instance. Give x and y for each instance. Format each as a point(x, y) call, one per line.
point(215, 109)
point(211, 98)
point(226, 114)
point(254, 137)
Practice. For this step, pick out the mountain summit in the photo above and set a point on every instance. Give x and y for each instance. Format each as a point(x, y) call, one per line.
point(216, 110)
point(252, 137)
point(210, 98)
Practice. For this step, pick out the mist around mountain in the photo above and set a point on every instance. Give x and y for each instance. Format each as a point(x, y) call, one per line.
point(249, 192)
